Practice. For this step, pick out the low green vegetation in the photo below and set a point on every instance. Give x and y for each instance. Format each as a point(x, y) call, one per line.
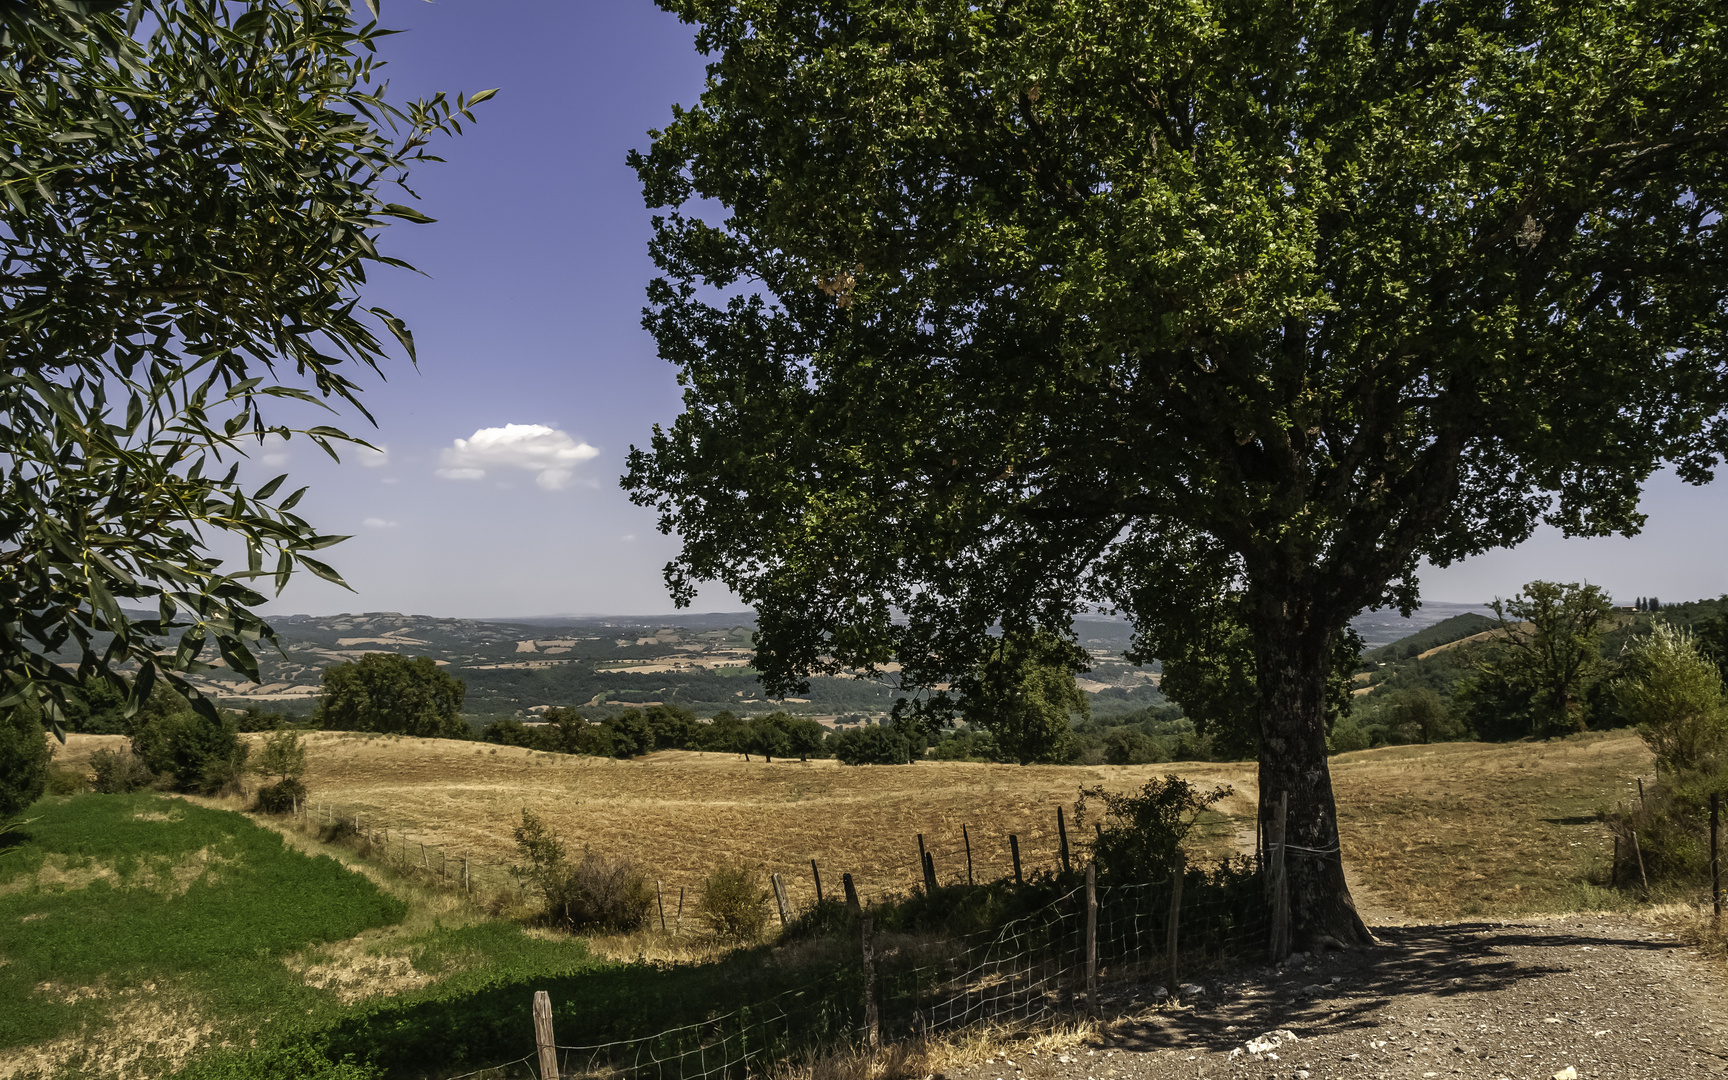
point(111, 899)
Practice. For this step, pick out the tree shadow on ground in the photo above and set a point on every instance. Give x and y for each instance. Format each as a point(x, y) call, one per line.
point(1349, 990)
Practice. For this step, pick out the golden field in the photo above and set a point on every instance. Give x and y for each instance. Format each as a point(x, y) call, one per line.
point(1441, 831)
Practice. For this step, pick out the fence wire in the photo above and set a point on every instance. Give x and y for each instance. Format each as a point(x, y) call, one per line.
point(1032, 969)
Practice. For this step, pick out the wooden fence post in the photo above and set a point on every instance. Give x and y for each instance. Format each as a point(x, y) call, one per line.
point(543, 1040)
point(1642, 876)
point(1173, 929)
point(816, 875)
point(851, 888)
point(1280, 881)
point(424, 865)
point(929, 874)
point(678, 927)
point(467, 884)
point(660, 902)
point(1014, 849)
point(871, 1036)
point(780, 899)
point(1092, 938)
point(924, 864)
point(443, 865)
point(1062, 840)
point(1715, 863)
point(966, 836)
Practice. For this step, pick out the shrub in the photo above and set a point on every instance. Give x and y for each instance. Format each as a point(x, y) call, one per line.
point(597, 893)
point(282, 797)
point(734, 903)
point(282, 756)
point(601, 893)
point(1128, 746)
point(1140, 834)
point(66, 781)
point(1673, 839)
point(872, 746)
point(194, 754)
point(24, 758)
point(1674, 694)
point(118, 772)
point(342, 828)
point(1346, 736)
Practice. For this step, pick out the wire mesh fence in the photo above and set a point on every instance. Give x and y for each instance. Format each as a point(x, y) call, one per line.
point(1047, 945)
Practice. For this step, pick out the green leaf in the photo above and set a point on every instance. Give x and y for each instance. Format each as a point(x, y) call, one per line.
point(406, 213)
point(322, 570)
point(269, 489)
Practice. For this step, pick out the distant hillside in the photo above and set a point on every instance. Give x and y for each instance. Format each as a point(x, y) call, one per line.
point(701, 661)
point(1445, 632)
point(599, 663)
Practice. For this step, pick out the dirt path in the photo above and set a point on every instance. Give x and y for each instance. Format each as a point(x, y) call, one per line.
point(1485, 1001)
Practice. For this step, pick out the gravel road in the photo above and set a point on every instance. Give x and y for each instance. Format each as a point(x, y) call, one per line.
point(1601, 996)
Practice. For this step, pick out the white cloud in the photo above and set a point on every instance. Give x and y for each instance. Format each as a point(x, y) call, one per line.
point(551, 455)
point(378, 523)
point(275, 450)
point(372, 459)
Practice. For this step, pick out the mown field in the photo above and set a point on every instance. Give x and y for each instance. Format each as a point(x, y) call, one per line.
point(1442, 831)
point(142, 932)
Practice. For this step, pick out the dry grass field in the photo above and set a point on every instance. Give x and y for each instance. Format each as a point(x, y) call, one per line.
point(1444, 831)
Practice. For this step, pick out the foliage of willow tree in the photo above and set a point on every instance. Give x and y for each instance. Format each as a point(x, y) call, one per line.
point(191, 193)
point(988, 311)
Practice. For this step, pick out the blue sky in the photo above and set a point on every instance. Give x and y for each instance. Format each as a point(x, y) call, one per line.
point(528, 317)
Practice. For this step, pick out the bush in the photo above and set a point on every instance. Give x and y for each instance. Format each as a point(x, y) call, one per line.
point(24, 758)
point(598, 893)
point(601, 893)
point(1674, 694)
point(1673, 838)
point(1130, 746)
point(735, 903)
point(1140, 834)
point(119, 772)
point(872, 746)
point(192, 753)
point(282, 797)
point(66, 781)
point(282, 756)
point(1346, 736)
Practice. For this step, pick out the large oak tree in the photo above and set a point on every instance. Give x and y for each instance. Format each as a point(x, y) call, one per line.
point(989, 311)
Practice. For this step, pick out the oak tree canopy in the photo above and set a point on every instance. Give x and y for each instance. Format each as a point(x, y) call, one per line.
point(989, 312)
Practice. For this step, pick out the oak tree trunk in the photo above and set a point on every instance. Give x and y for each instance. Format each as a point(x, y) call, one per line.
point(1294, 659)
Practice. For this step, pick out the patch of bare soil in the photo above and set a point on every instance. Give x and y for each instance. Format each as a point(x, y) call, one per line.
point(1596, 995)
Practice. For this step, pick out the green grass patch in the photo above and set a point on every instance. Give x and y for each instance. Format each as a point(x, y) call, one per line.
point(101, 895)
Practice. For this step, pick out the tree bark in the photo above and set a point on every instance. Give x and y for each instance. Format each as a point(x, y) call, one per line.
point(1294, 656)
